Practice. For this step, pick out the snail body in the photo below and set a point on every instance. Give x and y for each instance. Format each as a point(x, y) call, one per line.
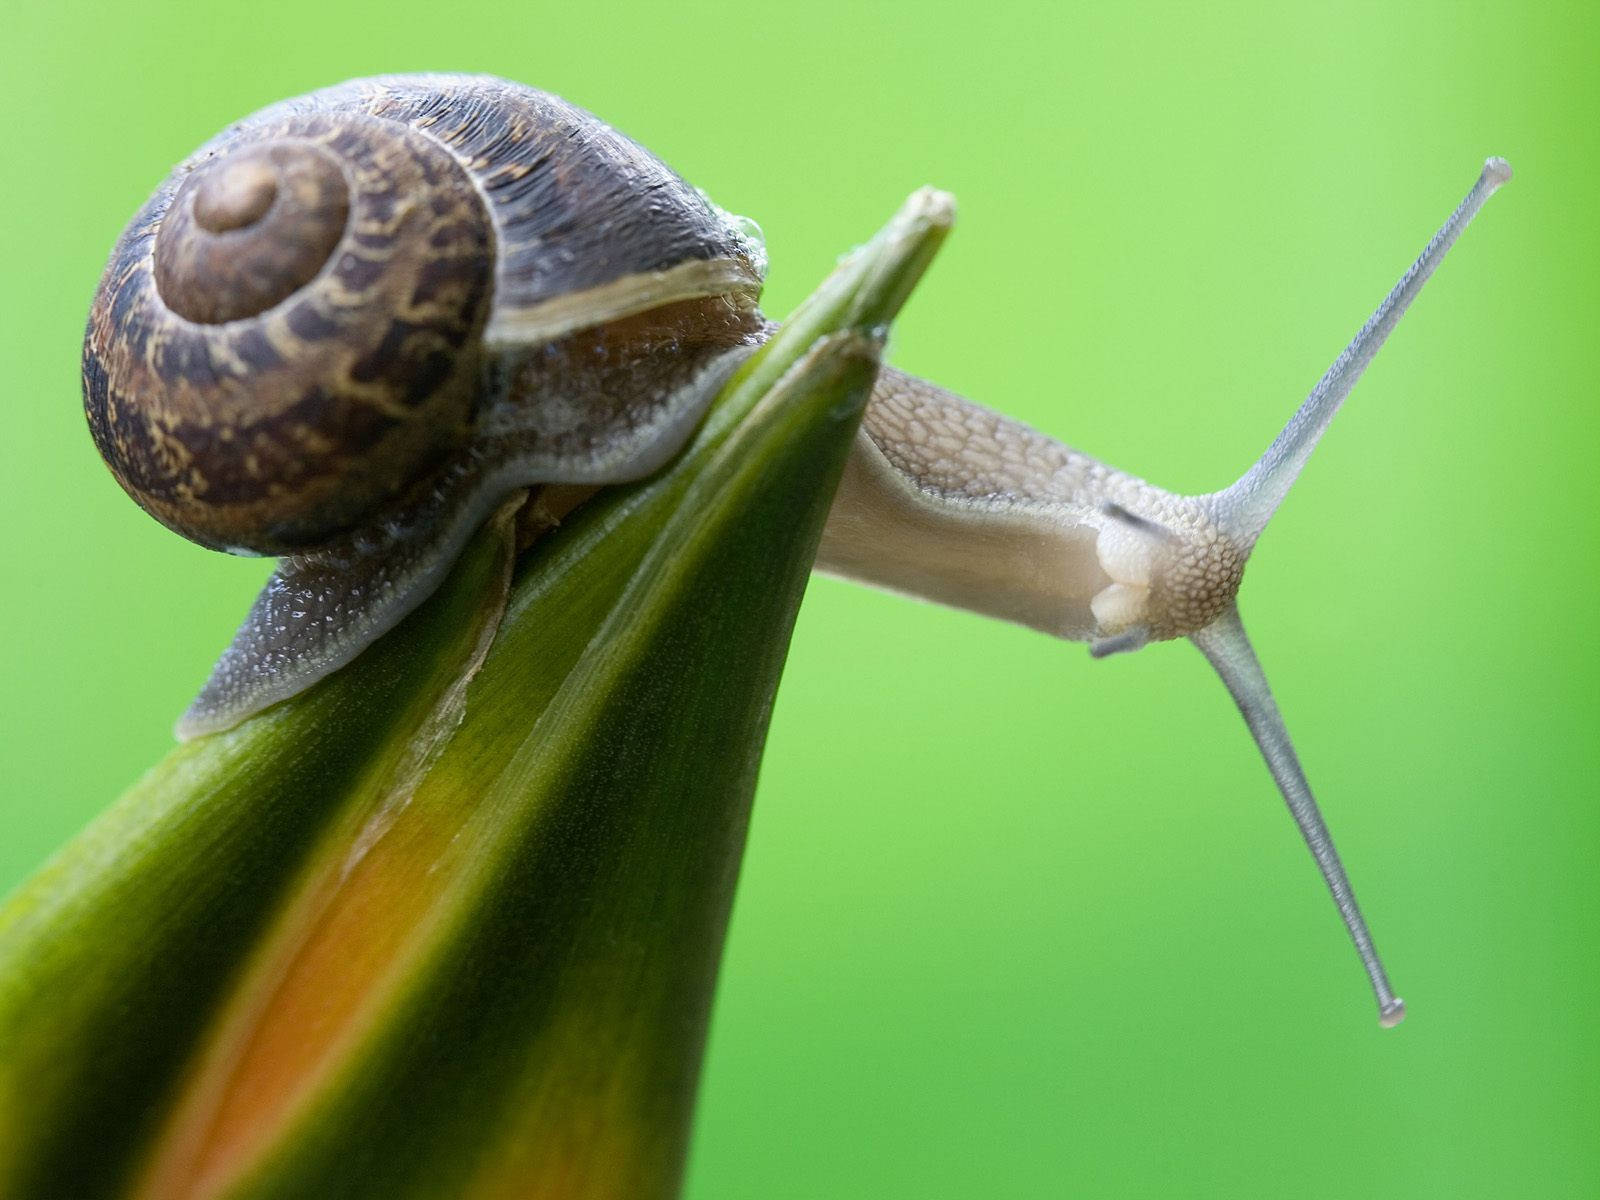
point(349, 326)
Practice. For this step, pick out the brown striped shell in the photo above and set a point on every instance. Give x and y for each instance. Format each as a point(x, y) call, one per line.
point(350, 325)
point(310, 314)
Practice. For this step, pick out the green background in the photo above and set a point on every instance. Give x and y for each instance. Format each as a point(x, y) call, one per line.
point(1013, 923)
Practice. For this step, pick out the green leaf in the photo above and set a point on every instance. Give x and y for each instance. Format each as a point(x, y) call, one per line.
point(449, 923)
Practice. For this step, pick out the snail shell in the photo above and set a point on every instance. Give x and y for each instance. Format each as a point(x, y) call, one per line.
point(347, 326)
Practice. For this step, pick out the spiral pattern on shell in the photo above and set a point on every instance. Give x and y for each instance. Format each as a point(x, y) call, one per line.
point(303, 320)
point(287, 336)
point(248, 230)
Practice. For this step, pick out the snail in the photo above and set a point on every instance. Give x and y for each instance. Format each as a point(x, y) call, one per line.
point(346, 328)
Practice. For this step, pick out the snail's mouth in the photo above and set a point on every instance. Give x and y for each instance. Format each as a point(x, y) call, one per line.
point(1128, 555)
point(1168, 578)
point(1120, 607)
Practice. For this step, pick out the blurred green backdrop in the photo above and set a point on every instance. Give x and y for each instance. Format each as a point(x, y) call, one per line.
point(1013, 923)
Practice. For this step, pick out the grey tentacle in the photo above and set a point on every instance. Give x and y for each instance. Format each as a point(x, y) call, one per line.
point(1228, 649)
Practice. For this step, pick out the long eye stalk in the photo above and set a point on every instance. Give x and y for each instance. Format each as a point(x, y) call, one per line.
point(1224, 643)
point(1243, 511)
point(1245, 508)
